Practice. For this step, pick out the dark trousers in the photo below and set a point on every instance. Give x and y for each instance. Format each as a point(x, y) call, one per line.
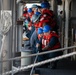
point(49, 56)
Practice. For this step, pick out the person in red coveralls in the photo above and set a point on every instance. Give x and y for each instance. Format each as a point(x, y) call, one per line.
point(30, 27)
point(48, 16)
point(50, 41)
point(30, 12)
point(34, 37)
point(25, 12)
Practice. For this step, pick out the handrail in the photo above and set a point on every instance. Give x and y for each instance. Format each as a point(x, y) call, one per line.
point(42, 53)
point(40, 63)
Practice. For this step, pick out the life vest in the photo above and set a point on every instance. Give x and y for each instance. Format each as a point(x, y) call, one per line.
point(48, 17)
point(36, 26)
point(25, 14)
point(46, 40)
point(40, 24)
point(48, 12)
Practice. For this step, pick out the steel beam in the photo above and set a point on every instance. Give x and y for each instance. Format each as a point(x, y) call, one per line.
point(7, 43)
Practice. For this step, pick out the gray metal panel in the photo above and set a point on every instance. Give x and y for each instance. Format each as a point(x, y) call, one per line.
point(6, 4)
point(7, 43)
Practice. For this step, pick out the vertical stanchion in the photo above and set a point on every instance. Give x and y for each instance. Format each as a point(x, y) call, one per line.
point(34, 63)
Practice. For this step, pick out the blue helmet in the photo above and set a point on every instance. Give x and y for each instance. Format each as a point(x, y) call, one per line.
point(38, 13)
point(45, 5)
point(46, 28)
point(29, 10)
point(40, 30)
point(35, 17)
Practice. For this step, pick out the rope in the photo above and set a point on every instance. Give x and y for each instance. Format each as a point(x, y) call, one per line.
point(62, 49)
point(40, 63)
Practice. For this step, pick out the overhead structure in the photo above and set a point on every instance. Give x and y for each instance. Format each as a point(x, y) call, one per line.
point(33, 1)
